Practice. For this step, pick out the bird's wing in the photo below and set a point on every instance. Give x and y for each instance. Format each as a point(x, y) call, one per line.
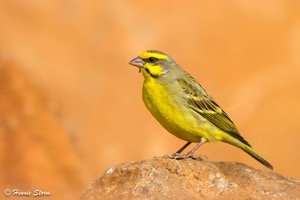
point(202, 103)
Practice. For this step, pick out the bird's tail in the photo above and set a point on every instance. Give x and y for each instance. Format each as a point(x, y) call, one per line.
point(247, 148)
point(256, 156)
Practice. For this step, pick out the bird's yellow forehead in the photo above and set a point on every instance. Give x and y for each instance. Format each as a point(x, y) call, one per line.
point(148, 54)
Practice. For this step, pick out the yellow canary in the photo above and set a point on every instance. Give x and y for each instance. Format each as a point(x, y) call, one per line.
point(183, 107)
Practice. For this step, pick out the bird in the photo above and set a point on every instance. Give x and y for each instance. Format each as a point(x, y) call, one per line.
point(184, 108)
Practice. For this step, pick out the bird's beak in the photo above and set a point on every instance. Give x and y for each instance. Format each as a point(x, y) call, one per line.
point(138, 62)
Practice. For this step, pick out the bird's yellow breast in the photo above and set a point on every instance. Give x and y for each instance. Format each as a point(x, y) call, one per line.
point(166, 107)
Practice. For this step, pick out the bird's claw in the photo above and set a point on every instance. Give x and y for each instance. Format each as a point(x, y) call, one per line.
point(177, 156)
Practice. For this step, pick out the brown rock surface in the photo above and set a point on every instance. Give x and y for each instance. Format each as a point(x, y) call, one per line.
point(163, 178)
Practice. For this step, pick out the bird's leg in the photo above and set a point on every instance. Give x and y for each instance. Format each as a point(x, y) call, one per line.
point(189, 154)
point(183, 148)
point(177, 154)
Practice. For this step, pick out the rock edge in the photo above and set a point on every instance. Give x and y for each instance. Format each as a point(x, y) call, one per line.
point(163, 178)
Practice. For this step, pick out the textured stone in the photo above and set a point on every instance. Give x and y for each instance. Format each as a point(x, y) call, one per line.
point(163, 178)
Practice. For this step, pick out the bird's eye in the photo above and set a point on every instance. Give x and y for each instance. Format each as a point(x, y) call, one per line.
point(152, 59)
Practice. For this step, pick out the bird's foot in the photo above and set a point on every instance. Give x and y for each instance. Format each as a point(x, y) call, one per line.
point(178, 156)
point(199, 157)
point(175, 156)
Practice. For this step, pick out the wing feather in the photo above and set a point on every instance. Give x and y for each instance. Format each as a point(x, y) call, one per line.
point(202, 103)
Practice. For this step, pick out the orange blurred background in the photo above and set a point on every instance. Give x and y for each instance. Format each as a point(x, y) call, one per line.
point(71, 107)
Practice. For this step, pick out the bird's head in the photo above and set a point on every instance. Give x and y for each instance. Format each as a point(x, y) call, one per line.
point(153, 63)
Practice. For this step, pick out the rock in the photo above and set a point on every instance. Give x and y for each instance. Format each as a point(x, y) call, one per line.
point(163, 178)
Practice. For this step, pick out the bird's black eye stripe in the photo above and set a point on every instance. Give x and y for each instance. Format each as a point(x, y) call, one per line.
point(152, 59)
point(148, 71)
